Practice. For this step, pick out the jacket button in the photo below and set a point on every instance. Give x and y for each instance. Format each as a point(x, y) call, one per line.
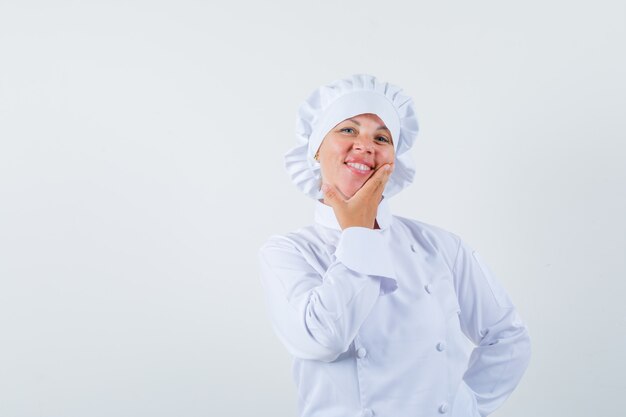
point(413, 247)
point(361, 353)
point(443, 408)
point(441, 346)
point(428, 288)
point(367, 413)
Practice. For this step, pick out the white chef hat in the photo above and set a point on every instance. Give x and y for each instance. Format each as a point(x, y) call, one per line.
point(333, 103)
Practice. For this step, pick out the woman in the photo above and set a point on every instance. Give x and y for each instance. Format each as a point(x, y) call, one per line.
point(378, 310)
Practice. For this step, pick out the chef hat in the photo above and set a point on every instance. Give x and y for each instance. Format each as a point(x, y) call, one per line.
point(331, 104)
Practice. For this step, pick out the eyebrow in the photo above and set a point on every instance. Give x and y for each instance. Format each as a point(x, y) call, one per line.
point(381, 127)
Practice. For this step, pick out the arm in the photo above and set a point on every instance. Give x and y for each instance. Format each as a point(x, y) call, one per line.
point(489, 319)
point(317, 315)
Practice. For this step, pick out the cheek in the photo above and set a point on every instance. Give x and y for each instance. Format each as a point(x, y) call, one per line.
point(387, 157)
point(329, 167)
point(336, 154)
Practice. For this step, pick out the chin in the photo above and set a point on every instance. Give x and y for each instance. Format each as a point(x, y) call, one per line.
point(350, 191)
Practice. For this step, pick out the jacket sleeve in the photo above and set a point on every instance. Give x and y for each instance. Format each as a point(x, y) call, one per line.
point(490, 320)
point(316, 314)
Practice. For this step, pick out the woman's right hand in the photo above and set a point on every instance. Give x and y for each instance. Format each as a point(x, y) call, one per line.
point(359, 210)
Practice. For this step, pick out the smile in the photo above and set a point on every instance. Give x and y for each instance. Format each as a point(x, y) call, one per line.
point(358, 168)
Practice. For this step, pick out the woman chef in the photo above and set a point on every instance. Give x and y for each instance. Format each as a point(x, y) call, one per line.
point(379, 310)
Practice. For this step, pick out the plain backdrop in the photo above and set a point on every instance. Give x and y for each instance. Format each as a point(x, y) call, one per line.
point(141, 147)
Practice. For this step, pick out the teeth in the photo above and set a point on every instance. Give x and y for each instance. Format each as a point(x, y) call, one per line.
point(360, 167)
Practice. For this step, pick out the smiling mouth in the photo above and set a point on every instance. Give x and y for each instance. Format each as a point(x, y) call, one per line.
point(359, 168)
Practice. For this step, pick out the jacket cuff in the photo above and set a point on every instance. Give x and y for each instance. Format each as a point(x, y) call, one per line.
point(367, 251)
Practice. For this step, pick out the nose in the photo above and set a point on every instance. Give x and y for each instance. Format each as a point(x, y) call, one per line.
point(363, 144)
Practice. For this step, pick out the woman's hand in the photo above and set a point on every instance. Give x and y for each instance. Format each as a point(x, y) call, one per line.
point(360, 210)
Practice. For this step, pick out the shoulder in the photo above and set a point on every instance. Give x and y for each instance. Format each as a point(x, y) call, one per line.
point(296, 240)
point(297, 251)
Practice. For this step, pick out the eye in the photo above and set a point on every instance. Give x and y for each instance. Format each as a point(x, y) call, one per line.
point(383, 139)
point(347, 128)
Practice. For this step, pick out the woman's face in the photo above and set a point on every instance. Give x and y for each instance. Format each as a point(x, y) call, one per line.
point(353, 150)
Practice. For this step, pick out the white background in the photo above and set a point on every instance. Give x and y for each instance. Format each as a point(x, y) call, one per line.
point(141, 168)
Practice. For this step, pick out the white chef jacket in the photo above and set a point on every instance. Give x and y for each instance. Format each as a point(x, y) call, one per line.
point(379, 322)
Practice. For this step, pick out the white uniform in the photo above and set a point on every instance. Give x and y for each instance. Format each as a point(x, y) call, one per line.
point(379, 322)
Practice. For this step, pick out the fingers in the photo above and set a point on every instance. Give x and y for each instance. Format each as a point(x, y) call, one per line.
point(376, 183)
point(332, 195)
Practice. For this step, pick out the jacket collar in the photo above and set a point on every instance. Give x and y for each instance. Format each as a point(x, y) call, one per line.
point(325, 215)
